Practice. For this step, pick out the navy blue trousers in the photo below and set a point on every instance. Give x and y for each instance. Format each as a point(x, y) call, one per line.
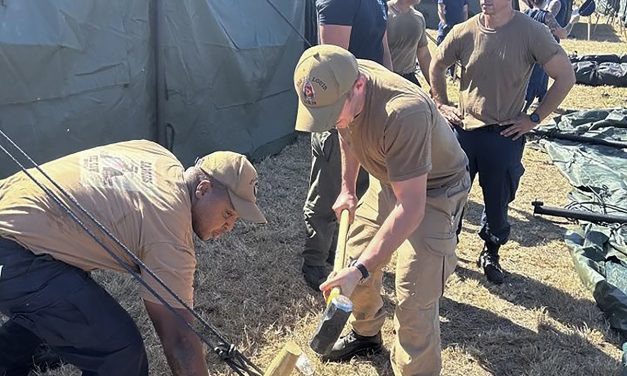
point(498, 162)
point(51, 302)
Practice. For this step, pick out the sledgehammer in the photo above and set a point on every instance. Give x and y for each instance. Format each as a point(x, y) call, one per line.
point(339, 307)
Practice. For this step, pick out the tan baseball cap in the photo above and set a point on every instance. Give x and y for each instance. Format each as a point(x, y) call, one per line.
point(322, 78)
point(240, 178)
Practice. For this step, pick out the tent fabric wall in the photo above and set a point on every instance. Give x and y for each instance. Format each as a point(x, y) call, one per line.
point(77, 74)
point(74, 74)
point(228, 70)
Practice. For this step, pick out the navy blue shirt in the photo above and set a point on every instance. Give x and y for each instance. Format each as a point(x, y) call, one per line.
point(368, 19)
point(562, 14)
point(453, 14)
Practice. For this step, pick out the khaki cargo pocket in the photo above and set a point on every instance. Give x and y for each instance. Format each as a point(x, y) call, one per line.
point(438, 230)
point(441, 244)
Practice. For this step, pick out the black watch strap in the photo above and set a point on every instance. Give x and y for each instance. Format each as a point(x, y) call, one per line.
point(362, 269)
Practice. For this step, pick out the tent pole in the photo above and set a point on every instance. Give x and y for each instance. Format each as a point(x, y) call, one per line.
point(160, 129)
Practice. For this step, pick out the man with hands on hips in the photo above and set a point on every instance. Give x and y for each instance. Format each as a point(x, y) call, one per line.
point(497, 49)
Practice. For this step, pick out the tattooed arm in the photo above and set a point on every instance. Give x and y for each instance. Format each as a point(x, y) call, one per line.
point(554, 7)
point(555, 28)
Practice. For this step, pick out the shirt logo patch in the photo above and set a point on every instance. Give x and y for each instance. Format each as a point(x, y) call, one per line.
point(309, 95)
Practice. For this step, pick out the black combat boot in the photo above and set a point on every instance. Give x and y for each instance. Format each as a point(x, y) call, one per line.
point(489, 261)
point(314, 275)
point(352, 345)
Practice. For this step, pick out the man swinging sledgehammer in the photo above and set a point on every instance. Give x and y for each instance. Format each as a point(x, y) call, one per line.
point(418, 187)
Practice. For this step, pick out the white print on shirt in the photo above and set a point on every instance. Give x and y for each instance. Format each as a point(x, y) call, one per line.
point(116, 171)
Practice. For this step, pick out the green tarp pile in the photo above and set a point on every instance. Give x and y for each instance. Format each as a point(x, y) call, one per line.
point(598, 175)
point(597, 70)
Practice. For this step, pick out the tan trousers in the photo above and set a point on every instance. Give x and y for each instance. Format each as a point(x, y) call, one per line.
point(425, 260)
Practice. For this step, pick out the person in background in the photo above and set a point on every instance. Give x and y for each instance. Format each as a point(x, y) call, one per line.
point(360, 27)
point(450, 13)
point(418, 188)
point(558, 8)
point(408, 40)
point(539, 80)
point(497, 49)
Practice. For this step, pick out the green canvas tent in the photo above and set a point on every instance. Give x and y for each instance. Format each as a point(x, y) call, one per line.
point(197, 76)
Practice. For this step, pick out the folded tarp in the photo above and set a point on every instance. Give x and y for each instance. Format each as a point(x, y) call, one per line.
point(600, 58)
point(599, 179)
point(600, 257)
point(597, 70)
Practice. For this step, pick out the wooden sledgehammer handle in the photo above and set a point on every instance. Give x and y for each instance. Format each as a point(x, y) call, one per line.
point(340, 251)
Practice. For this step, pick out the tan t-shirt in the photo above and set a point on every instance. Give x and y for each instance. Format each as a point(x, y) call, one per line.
point(406, 33)
point(400, 134)
point(135, 189)
point(498, 65)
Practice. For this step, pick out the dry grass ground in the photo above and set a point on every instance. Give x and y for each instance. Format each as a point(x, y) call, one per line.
point(540, 322)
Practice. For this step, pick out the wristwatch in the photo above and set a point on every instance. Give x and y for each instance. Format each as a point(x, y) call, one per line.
point(362, 269)
point(535, 118)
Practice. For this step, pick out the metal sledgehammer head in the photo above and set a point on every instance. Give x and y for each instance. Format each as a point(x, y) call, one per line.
point(333, 320)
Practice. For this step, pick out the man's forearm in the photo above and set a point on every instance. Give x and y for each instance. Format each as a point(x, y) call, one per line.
point(396, 228)
point(571, 23)
point(387, 55)
point(568, 28)
point(424, 60)
point(554, 7)
point(387, 60)
point(185, 356)
point(438, 83)
point(350, 166)
point(441, 13)
point(554, 97)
